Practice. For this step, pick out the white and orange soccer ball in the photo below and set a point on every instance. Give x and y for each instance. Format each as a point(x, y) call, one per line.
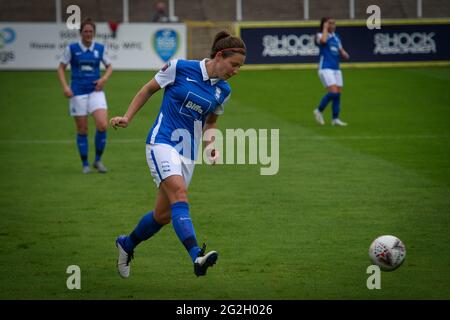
point(387, 252)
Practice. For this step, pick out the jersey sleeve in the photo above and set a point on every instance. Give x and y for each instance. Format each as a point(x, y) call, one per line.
point(339, 42)
point(105, 59)
point(318, 36)
point(220, 109)
point(66, 56)
point(166, 76)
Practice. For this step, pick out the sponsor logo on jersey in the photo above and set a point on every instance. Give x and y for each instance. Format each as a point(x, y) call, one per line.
point(193, 106)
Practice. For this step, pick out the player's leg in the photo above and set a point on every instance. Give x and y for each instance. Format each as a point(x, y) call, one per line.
point(78, 110)
point(329, 82)
point(150, 223)
point(97, 107)
point(81, 123)
point(148, 226)
point(176, 190)
point(153, 221)
point(337, 100)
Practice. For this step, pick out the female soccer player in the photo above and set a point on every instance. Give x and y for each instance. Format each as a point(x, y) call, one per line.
point(329, 73)
point(194, 97)
point(86, 91)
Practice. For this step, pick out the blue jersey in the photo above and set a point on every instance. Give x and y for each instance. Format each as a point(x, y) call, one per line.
point(85, 65)
point(329, 52)
point(189, 96)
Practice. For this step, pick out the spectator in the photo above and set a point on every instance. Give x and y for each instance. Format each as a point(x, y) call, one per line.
point(160, 14)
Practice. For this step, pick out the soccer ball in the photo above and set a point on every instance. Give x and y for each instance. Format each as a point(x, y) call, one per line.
point(387, 252)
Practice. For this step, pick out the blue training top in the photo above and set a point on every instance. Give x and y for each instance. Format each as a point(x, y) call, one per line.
point(189, 96)
point(85, 65)
point(329, 52)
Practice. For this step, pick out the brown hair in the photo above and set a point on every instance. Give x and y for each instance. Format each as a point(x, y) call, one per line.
point(86, 22)
point(227, 44)
point(322, 21)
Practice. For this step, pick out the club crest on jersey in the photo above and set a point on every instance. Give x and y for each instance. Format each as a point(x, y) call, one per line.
point(96, 53)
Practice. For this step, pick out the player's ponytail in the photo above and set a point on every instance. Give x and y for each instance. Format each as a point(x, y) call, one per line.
point(86, 22)
point(227, 44)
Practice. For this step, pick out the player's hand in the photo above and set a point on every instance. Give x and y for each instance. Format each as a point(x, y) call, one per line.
point(99, 84)
point(345, 55)
point(68, 92)
point(325, 25)
point(119, 122)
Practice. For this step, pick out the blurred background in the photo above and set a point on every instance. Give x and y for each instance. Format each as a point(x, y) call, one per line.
point(204, 18)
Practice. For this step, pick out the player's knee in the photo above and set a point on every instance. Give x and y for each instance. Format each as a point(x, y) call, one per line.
point(162, 217)
point(102, 126)
point(83, 130)
point(180, 194)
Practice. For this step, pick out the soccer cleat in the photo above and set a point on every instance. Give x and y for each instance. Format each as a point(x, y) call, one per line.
point(338, 122)
point(86, 169)
point(100, 167)
point(123, 261)
point(319, 117)
point(204, 261)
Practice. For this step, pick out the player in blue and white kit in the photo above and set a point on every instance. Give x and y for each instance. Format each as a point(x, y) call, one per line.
point(329, 73)
point(86, 91)
point(194, 97)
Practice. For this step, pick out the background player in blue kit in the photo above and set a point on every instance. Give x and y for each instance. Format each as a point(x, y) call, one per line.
point(86, 91)
point(329, 73)
point(194, 97)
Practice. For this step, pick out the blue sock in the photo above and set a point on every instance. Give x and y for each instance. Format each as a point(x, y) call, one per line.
point(83, 146)
point(336, 105)
point(184, 228)
point(323, 103)
point(146, 228)
point(100, 142)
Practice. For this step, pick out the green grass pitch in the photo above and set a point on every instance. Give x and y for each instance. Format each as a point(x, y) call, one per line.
point(301, 234)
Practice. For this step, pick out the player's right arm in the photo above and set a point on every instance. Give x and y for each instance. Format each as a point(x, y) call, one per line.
point(136, 104)
point(62, 79)
point(65, 60)
point(165, 77)
point(323, 39)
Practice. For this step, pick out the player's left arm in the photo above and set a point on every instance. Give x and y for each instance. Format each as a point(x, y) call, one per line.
point(99, 84)
point(344, 54)
point(209, 130)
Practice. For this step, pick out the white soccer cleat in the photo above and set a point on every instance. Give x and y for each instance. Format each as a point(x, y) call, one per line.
point(338, 122)
point(204, 261)
point(86, 170)
point(123, 261)
point(100, 167)
point(319, 117)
